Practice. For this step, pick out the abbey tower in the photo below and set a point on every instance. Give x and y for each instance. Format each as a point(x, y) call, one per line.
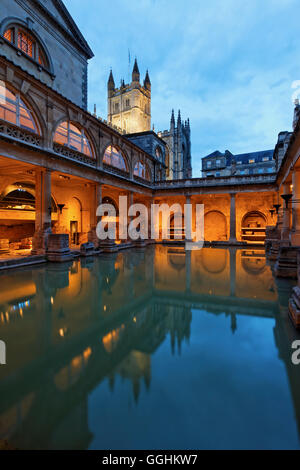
point(129, 107)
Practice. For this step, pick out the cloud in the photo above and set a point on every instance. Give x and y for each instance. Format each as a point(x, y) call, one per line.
point(228, 65)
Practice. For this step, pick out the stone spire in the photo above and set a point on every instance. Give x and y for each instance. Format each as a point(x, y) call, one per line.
point(188, 125)
point(135, 72)
point(111, 82)
point(172, 122)
point(147, 83)
point(179, 121)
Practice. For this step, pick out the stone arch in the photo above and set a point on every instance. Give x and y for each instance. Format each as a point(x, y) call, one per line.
point(215, 226)
point(124, 155)
point(31, 107)
point(111, 200)
point(254, 219)
point(27, 187)
point(88, 136)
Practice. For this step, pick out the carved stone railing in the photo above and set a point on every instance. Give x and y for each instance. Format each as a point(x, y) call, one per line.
point(219, 181)
point(11, 131)
point(138, 179)
point(74, 155)
point(115, 171)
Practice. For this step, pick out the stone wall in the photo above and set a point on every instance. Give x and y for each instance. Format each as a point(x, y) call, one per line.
point(68, 63)
point(17, 232)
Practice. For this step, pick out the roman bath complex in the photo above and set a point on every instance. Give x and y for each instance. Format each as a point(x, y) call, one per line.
point(58, 161)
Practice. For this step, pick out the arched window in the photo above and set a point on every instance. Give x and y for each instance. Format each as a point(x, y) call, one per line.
point(114, 157)
point(14, 110)
point(141, 170)
point(158, 153)
point(27, 43)
point(71, 136)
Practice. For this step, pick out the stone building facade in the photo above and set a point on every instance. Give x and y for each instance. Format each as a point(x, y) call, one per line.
point(219, 164)
point(58, 52)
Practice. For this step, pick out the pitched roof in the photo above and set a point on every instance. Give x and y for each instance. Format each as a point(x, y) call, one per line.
point(67, 20)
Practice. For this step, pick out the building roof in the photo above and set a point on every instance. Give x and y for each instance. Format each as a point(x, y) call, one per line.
point(257, 156)
point(241, 157)
point(73, 28)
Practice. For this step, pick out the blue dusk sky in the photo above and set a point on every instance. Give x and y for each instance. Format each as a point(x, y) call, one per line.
point(229, 65)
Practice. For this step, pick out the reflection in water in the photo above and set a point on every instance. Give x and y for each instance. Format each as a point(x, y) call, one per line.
point(149, 348)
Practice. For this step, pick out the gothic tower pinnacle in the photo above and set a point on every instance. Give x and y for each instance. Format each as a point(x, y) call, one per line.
point(135, 72)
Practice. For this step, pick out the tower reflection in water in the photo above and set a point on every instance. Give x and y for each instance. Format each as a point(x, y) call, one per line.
point(79, 334)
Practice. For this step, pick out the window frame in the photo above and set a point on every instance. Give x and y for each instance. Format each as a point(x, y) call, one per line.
point(18, 104)
point(84, 138)
point(109, 156)
point(141, 170)
point(39, 55)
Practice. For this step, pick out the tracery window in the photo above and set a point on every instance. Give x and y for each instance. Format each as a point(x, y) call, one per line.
point(71, 136)
point(114, 157)
point(26, 42)
point(13, 109)
point(141, 170)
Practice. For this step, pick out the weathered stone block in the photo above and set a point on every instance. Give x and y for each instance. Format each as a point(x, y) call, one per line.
point(58, 248)
point(87, 249)
point(286, 264)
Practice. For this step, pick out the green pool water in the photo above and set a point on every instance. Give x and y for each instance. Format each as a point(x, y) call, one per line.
point(149, 349)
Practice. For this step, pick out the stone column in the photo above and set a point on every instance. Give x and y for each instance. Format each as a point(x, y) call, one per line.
point(286, 263)
point(42, 210)
point(232, 237)
point(295, 233)
point(96, 200)
point(285, 232)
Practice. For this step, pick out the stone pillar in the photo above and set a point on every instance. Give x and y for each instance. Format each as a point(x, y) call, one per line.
point(232, 237)
point(295, 232)
point(285, 232)
point(96, 200)
point(42, 210)
point(286, 264)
